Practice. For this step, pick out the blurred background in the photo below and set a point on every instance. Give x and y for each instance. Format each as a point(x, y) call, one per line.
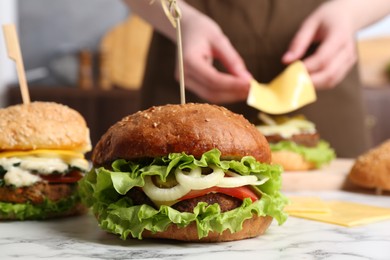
point(90, 56)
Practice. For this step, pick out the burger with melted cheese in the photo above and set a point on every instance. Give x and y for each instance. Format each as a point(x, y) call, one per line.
point(193, 172)
point(42, 146)
point(295, 143)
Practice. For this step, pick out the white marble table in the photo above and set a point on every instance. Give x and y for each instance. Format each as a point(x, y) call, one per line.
point(80, 238)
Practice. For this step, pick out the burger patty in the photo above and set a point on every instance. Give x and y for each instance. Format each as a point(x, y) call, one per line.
point(309, 140)
point(139, 197)
point(225, 202)
point(37, 193)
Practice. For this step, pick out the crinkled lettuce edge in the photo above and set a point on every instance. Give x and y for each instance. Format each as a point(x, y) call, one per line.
point(29, 211)
point(105, 191)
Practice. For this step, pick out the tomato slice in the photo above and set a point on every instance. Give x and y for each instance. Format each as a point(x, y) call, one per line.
point(70, 177)
point(238, 192)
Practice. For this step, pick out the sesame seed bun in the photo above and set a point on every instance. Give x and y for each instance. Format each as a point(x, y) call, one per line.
point(190, 128)
point(43, 125)
point(372, 169)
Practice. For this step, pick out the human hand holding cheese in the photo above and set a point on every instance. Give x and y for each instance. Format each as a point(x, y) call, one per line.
point(291, 90)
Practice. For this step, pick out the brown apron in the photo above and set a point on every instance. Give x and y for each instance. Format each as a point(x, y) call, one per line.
point(261, 31)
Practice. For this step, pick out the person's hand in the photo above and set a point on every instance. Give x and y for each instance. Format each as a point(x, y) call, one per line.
point(203, 42)
point(331, 27)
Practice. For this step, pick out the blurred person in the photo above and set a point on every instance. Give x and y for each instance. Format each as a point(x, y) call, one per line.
point(227, 42)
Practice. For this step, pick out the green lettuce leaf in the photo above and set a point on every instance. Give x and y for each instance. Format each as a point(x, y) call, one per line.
point(106, 190)
point(319, 155)
point(22, 211)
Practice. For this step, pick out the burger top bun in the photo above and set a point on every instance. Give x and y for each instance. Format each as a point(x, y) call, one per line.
point(43, 125)
point(372, 169)
point(190, 128)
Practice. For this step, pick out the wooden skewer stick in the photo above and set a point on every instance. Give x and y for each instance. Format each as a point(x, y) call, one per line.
point(266, 119)
point(180, 60)
point(173, 13)
point(14, 53)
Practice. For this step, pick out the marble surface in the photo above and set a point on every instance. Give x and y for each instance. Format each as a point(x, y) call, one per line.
point(80, 238)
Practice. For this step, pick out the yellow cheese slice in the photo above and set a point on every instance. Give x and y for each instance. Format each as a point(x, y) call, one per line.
point(347, 214)
point(43, 153)
point(291, 90)
point(306, 205)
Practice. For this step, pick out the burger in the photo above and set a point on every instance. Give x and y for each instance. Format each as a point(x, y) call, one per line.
point(295, 143)
point(42, 146)
point(193, 172)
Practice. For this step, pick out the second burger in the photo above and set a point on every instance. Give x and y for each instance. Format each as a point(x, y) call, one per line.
point(295, 143)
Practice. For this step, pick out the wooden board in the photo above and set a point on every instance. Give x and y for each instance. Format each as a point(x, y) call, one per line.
point(330, 177)
point(125, 49)
point(374, 55)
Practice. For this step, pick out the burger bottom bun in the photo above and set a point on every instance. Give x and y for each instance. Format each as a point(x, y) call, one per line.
point(78, 209)
point(291, 161)
point(251, 228)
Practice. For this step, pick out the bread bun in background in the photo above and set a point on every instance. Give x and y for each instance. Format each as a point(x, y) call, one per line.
point(198, 136)
point(372, 169)
point(42, 146)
